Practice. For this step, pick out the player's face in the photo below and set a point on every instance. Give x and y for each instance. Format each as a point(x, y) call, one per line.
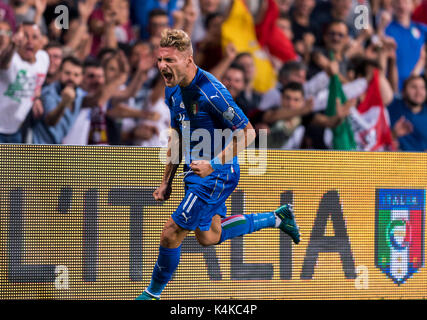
point(173, 65)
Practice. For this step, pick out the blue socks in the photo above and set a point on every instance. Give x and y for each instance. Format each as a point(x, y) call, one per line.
point(166, 264)
point(241, 224)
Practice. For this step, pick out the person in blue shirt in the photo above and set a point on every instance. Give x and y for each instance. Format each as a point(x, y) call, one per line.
point(140, 13)
point(409, 36)
point(408, 116)
point(212, 130)
point(61, 101)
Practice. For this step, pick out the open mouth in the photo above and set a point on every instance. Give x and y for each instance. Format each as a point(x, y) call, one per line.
point(168, 76)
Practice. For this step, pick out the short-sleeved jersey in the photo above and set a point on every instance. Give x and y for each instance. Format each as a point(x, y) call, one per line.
point(205, 115)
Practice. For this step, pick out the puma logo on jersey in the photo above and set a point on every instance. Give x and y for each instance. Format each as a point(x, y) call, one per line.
point(185, 217)
point(215, 96)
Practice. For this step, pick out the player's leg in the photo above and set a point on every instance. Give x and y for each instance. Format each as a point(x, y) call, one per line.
point(167, 260)
point(211, 236)
point(241, 224)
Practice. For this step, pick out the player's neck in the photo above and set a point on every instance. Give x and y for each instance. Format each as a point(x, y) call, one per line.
point(192, 70)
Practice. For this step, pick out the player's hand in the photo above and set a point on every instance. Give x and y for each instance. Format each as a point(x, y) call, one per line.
point(163, 192)
point(202, 168)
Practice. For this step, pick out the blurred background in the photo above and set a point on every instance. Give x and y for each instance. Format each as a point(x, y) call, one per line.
point(310, 74)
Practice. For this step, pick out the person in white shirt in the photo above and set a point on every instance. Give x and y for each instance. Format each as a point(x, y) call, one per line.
point(23, 69)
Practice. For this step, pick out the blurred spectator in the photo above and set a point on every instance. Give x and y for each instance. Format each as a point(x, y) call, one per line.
point(410, 38)
point(336, 40)
point(382, 12)
point(140, 13)
point(206, 9)
point(270, 35)
point(5, 35)
point(30, 10)
point(285, 24)
point(62, 101)
point(408, 115)
point(382, 49)
point(420, 13)
point(148, 130)
point(302, 30)
point(284, 5)
point(294, 71)
point(7, 14)
point(142, 53)
point(285, 120)
point(327, 11)
point(234, 80)
point(110, 25)
point(250, 44)
point(249, 98)
point(300, 13)
point(116, 70)
point(158, 20)
point(142, 56)
point(93, 84)
point(23, 68)
point(77, 39)
point(108, 94)
point(54, 50)
point(208, 53)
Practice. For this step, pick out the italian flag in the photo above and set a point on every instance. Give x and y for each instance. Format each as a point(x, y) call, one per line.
point(370, 122)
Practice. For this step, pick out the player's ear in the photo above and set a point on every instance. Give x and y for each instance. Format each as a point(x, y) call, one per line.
point(190, 59)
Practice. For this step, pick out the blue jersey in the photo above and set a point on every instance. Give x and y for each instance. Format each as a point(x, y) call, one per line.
point(205, 114)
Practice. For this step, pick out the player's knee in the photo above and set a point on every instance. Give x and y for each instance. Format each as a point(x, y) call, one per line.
point(207, 241)
point(172, 235)
point(169, 240)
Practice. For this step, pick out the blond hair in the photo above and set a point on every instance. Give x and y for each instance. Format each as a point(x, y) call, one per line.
point(176, 38)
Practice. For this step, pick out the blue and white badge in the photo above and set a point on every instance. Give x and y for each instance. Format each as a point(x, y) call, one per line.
point(229, 114)
point(415, 32)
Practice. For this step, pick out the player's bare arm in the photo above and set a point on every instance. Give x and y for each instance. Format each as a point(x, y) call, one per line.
point(174, 156)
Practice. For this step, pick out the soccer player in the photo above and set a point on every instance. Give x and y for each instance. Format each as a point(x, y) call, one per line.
point(200, 105)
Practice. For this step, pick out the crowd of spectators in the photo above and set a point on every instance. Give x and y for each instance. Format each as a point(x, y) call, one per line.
point(83, 72)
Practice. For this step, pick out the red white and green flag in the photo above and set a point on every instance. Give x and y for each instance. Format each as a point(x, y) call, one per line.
point(370, 121)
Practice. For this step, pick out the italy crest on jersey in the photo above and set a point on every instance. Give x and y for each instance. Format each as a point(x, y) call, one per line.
point(194, 108)
point(399, 232)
